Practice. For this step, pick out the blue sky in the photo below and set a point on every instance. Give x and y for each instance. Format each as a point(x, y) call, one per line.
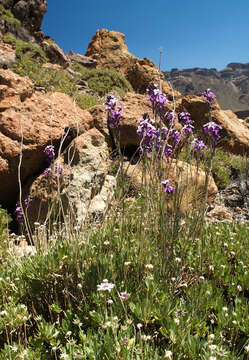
point(192, 33)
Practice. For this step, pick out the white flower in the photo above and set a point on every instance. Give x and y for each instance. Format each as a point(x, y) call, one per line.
point(149, 266)
point(247, 348)
point(212, 347)
point(168, 354)
point(211, 336)
point(139, 326)
point(225, 309)
point(176, 321)
point(105, 286)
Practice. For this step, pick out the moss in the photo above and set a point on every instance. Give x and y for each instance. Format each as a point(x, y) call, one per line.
point(103, 81)
point(86, 101)
point(8, 16)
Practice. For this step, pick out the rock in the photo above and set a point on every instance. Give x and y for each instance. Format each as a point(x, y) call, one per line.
point(232, 203)
point(84, 189)
point(29, 12)
point(110, 51)
point(189, 181)
point(82, 60)
point(7, 55)
point(134, 105)
point(55, 53)
point(235, 134)
point(42, 118)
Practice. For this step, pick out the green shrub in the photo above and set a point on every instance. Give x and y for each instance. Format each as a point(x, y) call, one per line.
point(8, 16)
point(104, 81)
point(86, 101)
point(24, 48)
point(222, 164)
point(52, 80)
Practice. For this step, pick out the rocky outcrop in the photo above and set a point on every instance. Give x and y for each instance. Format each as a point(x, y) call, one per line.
point(54, 53)
point(235, 133)
point(35, 119)
point(189, 181)
point(29, 12)
point(84, 189)
point(7, 55)
point(232, 203)
point(110, 51)
point(82, 60)
point(231, 85)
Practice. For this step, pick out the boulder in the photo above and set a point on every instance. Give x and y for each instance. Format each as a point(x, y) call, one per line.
point(7, 55)
point(37, 119)
point(83, 190)
point(189, 181)
point(110, 51)
point(235, 135)
point(134, 106)
point(82, 60)
point(29, 12)
point(55, 53)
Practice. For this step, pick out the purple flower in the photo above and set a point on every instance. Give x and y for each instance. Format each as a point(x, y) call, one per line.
point(168, 151)
point(174, 137)
point(148, 132)
point(47, 172)
point(19, 211)
point(115, 117)
point(156, 97)
point(209, 96)
point(50, 152)
point(110, 101)
point(184, 118)
point(188, 129)
point(171, 117)
point(212, 129)
point(167, 187)
point(19, 215)
point(58, 169)
point(198, 145)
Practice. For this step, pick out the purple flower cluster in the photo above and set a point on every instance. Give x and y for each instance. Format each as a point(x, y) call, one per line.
point(114, 112)
point(167, 187)
point(212, 130)
point(19, 211)
point(170, 117)
point(50, 152)
point(156, 97)
point(209, 96)
point(198, 147)
point(152, 137)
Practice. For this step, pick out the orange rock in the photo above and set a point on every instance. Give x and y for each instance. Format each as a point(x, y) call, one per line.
point(189, 180)
point(111, 52)
point(40, 119)
point(235, 134)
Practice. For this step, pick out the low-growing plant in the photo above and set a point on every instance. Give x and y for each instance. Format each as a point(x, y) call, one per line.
point(24, 48)
point(102, 81)
point(7, 15)
point(86, 101)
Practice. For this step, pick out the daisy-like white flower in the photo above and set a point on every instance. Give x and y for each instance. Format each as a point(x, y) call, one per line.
point(105, 286)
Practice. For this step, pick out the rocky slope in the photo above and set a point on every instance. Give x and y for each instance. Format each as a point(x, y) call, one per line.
point(231, 85)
